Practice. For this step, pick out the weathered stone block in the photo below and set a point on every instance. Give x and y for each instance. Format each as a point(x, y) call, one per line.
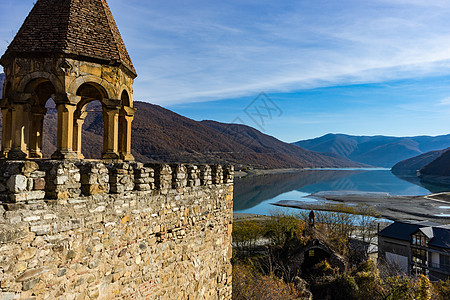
point(40, 229)
point(30, 184)
point(29, 166)
point(39, 183)
point(17, 183)
point(10, 233)
point(27, 254)
point(37, 174)
point(9, 296)
point(33, 273)
point(143, 187)
point(95, 189)
point(62, 179)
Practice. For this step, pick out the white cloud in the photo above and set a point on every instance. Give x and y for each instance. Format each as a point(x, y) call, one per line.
point(188, 51)
point(444, 102)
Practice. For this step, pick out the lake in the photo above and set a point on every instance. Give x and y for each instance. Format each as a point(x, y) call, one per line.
point(254, 194)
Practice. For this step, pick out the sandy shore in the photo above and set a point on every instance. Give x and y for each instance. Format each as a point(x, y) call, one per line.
point(434, 207)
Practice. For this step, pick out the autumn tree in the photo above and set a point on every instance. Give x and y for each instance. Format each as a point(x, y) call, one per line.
point(441, 290)
point(249, 283)
point(246, 234)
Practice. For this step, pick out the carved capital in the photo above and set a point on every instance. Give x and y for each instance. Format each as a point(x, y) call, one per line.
point(80, 115)
point(128, 111)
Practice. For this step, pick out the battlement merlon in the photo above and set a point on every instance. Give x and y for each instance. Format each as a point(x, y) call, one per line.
point(31, 180)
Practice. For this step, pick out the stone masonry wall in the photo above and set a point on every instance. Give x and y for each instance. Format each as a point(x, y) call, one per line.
point(92, 230)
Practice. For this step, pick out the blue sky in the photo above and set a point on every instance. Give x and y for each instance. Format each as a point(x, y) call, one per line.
point(347, 66)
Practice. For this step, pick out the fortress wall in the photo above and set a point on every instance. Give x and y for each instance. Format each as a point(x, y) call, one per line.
point(86, 230)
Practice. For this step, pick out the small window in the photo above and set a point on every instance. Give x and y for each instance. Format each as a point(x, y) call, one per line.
point(419, 240)
point(419, 256)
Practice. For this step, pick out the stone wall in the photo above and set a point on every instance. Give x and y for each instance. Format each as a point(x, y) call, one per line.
point(90, 230)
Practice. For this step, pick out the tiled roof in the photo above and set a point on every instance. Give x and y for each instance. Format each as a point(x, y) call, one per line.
point(81, 28)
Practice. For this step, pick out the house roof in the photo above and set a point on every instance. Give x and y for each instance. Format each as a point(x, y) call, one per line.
point(74, 28)
point(403, 230)
point(439, 235)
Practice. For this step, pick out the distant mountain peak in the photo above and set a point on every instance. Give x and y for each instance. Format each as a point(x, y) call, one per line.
point(378, 150)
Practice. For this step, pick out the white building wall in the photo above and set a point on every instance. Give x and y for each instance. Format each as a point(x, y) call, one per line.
point(398, 260)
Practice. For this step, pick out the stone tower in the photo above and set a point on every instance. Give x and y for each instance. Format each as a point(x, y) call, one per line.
point(70, 51)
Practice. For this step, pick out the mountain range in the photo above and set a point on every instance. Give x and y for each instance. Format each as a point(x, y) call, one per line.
point(159, 134)
point(162, 135)
point(379, 151)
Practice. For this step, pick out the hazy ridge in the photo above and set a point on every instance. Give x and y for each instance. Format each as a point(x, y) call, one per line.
point(380, 151)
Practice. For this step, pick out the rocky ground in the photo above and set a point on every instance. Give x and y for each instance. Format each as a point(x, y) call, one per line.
point(434, 207)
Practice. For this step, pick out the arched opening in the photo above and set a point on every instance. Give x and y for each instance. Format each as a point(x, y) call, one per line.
point(42, 119)
point(125, 119)
point(125, 99)
point(92, 130)
point(91, 91)
point(50, 129)
point(89, 121)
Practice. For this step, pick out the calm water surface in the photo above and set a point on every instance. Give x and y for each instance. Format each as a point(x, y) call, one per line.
point(256, 193)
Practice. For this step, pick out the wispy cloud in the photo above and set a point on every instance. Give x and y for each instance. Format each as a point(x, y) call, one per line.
point(188, 51)
point(444, 102)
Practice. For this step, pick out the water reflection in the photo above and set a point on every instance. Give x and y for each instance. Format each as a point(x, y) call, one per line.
point(432, 187)
point(254, 194)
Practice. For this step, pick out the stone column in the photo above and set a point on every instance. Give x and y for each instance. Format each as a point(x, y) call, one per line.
point(20, 120)
point(77, 133)
point(64, 142)
point(36, 130)
point(126, 118)
point(111, 129)
point(6, 130)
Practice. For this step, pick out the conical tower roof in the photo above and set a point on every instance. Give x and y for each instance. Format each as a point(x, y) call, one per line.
point(82, 29)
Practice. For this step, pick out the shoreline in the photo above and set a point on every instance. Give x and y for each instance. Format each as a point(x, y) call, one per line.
point(260, 172)
point(433, 207)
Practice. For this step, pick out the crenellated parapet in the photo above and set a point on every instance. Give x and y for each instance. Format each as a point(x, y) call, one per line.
point(115, 230)
point(55, 179)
